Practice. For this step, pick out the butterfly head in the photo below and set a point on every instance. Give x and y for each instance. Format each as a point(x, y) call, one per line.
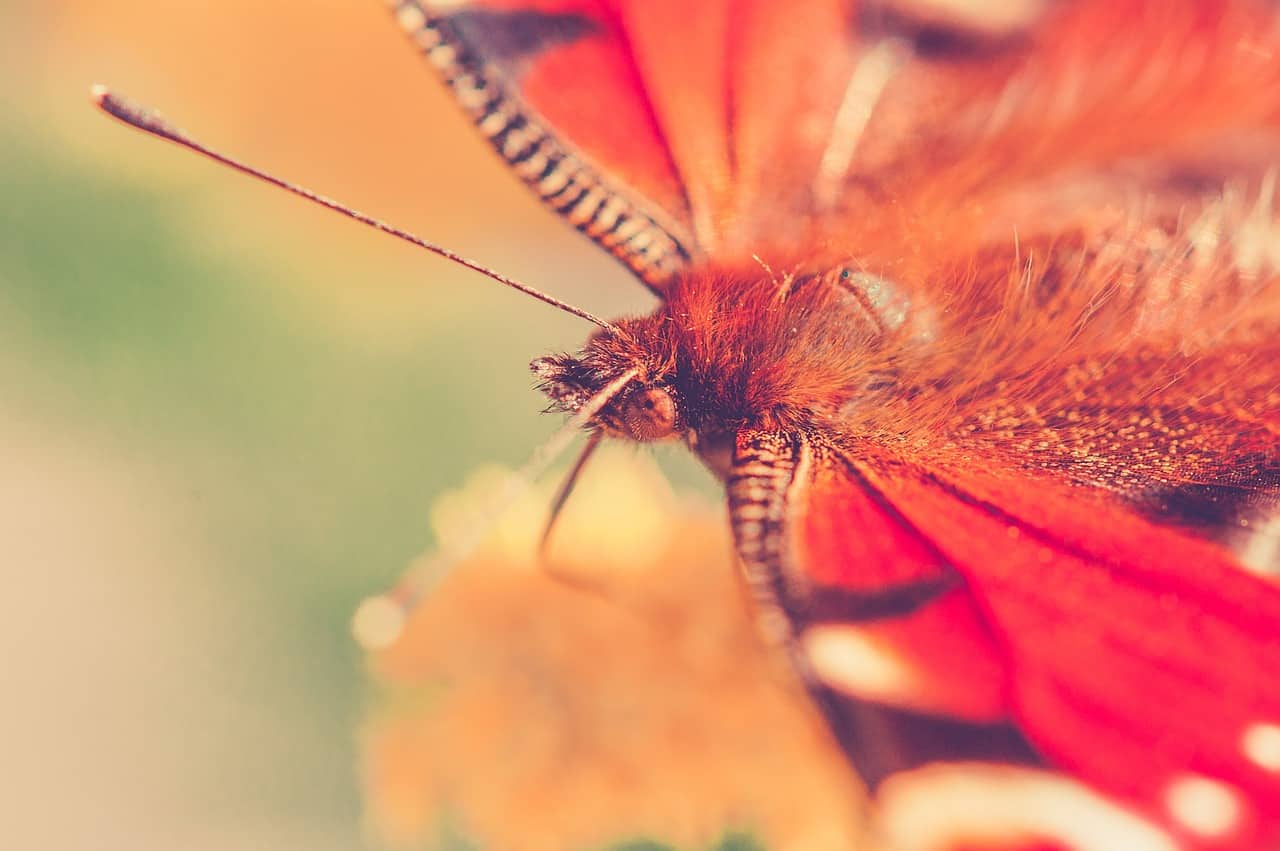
point(726, 352)
point(646, 409)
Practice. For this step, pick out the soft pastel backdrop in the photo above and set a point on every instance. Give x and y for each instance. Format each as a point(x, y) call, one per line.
point(224, 417)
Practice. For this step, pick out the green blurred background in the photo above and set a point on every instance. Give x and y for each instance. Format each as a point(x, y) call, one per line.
point(225, 414)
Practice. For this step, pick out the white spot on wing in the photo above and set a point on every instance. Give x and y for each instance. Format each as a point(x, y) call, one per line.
point(971, 804)
point(1261, 746)
point(1203, 806)
point(850, 660)
point(1260, 552)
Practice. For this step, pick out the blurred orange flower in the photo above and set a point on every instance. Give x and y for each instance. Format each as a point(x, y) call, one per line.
point(534, 715)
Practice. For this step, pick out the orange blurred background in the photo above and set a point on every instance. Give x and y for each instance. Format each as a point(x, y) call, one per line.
point(224, 417)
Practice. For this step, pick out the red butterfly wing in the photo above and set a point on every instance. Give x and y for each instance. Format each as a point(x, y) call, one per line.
point(525, 72)
point(674, 133)
point(664, 130)
point(1129, 653)
point(1138, 655)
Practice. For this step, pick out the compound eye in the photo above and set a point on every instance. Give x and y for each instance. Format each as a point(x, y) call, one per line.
point(650, 414)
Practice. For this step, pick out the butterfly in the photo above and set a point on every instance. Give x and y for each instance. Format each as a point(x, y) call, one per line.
point(976, 314)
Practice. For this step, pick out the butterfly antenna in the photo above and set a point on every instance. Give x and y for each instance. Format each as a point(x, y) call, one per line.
point(379, 620)
point(150, 122)
point(566, 488)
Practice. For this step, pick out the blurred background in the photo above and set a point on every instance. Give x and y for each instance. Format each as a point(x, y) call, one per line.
point(225, 418)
